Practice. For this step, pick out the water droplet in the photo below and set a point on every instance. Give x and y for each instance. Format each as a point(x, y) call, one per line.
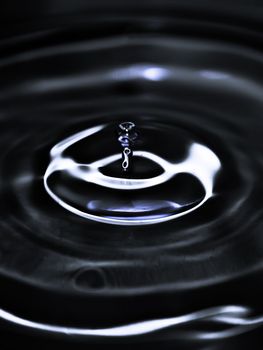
point(89, 278)
point(91, 190)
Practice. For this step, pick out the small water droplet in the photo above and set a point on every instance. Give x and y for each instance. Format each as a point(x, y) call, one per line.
point(90, 278)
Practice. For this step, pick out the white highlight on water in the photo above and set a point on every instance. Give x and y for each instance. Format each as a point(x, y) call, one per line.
point(200, 162)
point(232, 315)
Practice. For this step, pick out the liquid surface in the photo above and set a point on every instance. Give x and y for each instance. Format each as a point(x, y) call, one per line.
point(100, 190)
point(170, 253)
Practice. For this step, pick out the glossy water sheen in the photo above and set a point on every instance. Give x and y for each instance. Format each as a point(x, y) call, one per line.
point(169, 253)
point(141, 197)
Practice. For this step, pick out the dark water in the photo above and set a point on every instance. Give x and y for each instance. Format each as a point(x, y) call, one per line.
point(168, 254)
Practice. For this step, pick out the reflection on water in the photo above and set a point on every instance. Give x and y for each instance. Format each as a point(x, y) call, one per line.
point(129, 204)
point(231, 315)
point(182, 263)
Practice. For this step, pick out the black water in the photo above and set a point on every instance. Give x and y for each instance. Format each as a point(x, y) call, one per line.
point(162, 264)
